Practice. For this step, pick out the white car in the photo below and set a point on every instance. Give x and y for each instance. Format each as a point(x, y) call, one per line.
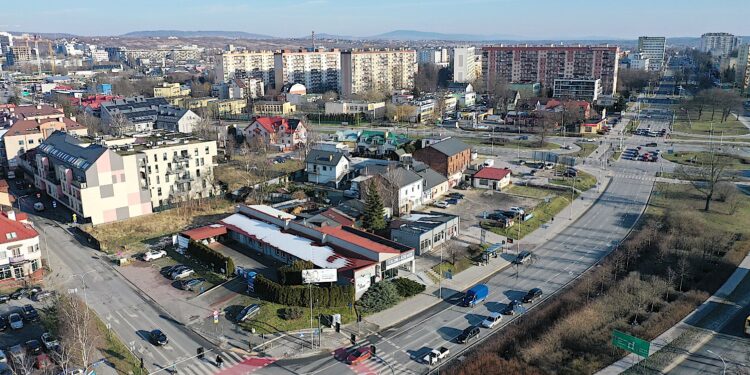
point(492, 320)
point(441, 204)
point(15, 320)
point(39, 206)
point(153, 255)
point(549, 166)
point(517, 210)
point(49, 341)
point(181, 274)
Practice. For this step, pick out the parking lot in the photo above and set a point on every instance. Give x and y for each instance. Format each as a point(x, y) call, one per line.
point(478, 201)
point(32, 328)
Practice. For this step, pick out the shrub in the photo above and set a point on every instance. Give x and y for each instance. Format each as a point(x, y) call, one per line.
point(292, 313)
point(299, 295)
point(407, 288)
point(292, 274)
point(211, 258)
point(379, 297)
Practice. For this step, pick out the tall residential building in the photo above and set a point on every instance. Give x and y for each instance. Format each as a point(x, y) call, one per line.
point(578, 89)
point(6, 41)
point(379, 70)
point(122, 178)
point(318, 70)
point(247, 64)
point(17, 54)
point(742, 73)
point(434, 56)
point(464, 67)
point(544, 64)
point(718, 44)
point(652, 48)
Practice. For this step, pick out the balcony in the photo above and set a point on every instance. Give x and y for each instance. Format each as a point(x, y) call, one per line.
point(17, 259)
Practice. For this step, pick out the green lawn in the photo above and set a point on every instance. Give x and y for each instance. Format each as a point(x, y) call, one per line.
point(584, 181)
point(116, 352)
point(542, 214)
point(531, 192)
point(616, 155)
point(269, 320)
point(687, 122)
point(694, 157)
point(462, 263)
point(513, 143)
point(586, 149)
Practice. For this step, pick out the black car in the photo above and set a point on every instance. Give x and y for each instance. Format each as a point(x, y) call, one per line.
point(532, 295)
point(158, 338)
point(456, 195)
point(34, 347)
point(4, 298)
point(3, 323)
point(522, 257)
point(468, 334)
point(29, 313)
point(20, 293)
point(510, 309)
point(652, 144)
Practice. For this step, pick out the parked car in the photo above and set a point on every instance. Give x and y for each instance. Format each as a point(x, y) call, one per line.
point(41, 296)
point(475, 295)
point(191, 284)
point(517, 210)
point(49, 341)
point(247, 312)
point(38, 206)
point(468, 334)
point(168, 270)
point(182, 273)
point(532, 295)
point(4, 298)
point(25, 292)
point(492, 320)
point(441, 204)
point(29, 313)
point(158, 338)
point(452, 201)
point(456, 195)
point(42, 361)
point(549, 166)
point(360, 355)
point(153, 255)
point(522, 257)
point(3, 357)
point(652, 144)
point(33, 347)
point(17, 355)
point(15, 320)
point(3, 323)
point(510, 309)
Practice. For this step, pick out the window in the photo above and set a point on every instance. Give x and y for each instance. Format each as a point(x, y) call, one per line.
point(165, 156)
point(35, 265)
point(31, 141)
point(10, 235)
point(20, 142)
point(166, 177)
point(158, 192)
point(197, 173)
point(156, 168)
point(3, 254)
point(155, 159)
point(157, 180)
point(149, 169)
point(5, 273)
point(195, 152)
point(207, 150)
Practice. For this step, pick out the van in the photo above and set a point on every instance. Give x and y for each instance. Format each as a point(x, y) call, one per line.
point(476, 295)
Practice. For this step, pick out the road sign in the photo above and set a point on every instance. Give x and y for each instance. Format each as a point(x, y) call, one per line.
point(630, 343)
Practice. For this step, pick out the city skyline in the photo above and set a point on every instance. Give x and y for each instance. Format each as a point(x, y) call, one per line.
point(361, 19)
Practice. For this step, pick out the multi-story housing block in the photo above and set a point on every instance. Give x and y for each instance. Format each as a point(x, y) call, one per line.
point(464, 67)
point(377, 70)
point(579, 89)
point(544, 64)
point(247, 64)
point(742, 74)
point(718, 44)
point(318, 70)
point(652, 49)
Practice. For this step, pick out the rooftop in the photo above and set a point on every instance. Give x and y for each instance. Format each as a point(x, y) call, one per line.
point(450, 146)
point(491, 173)
point(13, 229)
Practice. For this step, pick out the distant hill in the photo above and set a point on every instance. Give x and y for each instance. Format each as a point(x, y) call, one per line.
point(195, 34)
point(426, 35)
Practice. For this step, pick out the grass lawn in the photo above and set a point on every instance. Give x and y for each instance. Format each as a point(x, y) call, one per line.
point(542, 214)
point(514, 143)
point(269, 320)
point(632, 125)
point(689, 123)
point(236, 176)
point(116, 352)
point(586, 149)
point(689, 158)
point(531, 192)
point(616, 155)
point(584, 181)
point(132, 234)
point(462, 263)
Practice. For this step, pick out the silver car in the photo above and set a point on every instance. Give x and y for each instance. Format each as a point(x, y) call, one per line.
point(15, 320)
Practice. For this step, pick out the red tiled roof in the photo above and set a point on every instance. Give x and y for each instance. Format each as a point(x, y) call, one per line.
point(25, 111)
point(272, 124)
point(93, 101)
point(492, 173)
point(339, 233)
point(22, 231)
point(338, 217)
point(32, 126)
point(592, 125)
point(208, 231)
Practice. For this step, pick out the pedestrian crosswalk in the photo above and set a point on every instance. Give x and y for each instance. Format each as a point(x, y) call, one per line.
point(234, 364)
point(381, 363)
point(635, 176)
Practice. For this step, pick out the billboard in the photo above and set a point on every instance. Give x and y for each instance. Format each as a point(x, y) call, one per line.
point(323, 275)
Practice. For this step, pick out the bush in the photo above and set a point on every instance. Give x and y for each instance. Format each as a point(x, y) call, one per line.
point(211, 258)
point(407, 288)
point(292, 274)
point(299, 295)
point(292, 313)
point(379, 297)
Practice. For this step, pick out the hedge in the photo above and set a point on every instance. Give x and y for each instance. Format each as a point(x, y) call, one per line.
point(292, 274)
point(298, 295)
point(408, 288)
point(211, 258)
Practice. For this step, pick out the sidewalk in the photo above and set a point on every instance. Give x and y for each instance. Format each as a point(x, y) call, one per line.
point(473, 275)
point(665, 339)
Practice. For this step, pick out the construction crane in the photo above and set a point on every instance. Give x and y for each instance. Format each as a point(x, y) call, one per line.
point(38, 58)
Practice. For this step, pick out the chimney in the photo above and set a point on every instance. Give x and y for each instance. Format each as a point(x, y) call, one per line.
point(38, 106)
point(12, 215)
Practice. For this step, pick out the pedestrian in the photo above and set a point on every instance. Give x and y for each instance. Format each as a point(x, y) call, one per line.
point(142, 365)
point(219, 361)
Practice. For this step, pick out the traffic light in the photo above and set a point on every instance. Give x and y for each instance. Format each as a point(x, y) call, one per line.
point(510, 240)
point(200, 352)
point(353, 339)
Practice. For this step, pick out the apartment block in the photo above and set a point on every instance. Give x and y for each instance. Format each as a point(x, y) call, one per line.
point(434, 56)
point(578, 89)
point(544, 64)
point(349, 107)
point(114, 179)
point(464, 69)
point(247, 64)
point(171, 90)
point(20, 257)
point(718, 44)
point(742, 74)
point(318, 70)
point(652, 48)
point(16, 54)
point(379, 70)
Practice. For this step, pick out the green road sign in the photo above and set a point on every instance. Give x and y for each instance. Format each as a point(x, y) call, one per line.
point(630, 343)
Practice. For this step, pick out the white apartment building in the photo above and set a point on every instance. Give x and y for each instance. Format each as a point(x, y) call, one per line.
point(578, 89)
point(742, 74)
point(653, 49)
point(342, 107)
point(381, 70)
point(19, 247)
point(434, 56)
point(246, 64)
point(99, 55)
point(318, 70)
point(718, 44)
point(464, 64)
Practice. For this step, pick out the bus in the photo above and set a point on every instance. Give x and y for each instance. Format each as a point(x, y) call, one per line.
point(747, 325)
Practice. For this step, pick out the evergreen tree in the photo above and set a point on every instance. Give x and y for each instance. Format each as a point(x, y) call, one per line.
point(374, 218)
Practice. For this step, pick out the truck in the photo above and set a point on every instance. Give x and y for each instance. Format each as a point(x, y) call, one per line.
point(436, 355)
point(476, 295)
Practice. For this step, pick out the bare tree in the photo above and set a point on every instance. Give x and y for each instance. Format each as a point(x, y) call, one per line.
point(427, 77)
point(77, 331)
point(92, 123)
point(683, 270)
point(707, 175)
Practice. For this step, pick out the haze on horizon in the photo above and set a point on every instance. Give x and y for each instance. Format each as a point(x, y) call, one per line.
point(541, 19)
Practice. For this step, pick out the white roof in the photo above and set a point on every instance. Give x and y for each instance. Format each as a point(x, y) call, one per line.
point(268, 210)
point(300, 247)
point(417, 217)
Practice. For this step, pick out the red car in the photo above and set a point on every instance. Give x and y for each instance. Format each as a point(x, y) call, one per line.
point(360, 355)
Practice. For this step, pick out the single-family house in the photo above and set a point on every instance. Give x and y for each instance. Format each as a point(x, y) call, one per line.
point(326, 167)
point(491, 178)
point(279, 133)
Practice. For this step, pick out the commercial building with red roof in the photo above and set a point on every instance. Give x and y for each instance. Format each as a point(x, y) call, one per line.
point(281, 133)
point(491, 178)
point(20, 257)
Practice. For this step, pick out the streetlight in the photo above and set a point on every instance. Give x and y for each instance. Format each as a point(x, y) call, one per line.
point(724, 371)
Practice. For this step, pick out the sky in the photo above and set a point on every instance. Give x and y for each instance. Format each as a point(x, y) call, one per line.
point(523, 19)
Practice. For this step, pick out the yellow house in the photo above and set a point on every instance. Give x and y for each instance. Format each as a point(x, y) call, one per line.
point(196, 103)
point(171, 90)
point(228, 106)
point(274, 108)
point(592, 128)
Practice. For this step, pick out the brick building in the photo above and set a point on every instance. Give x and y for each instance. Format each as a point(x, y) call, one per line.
point(449, 157)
